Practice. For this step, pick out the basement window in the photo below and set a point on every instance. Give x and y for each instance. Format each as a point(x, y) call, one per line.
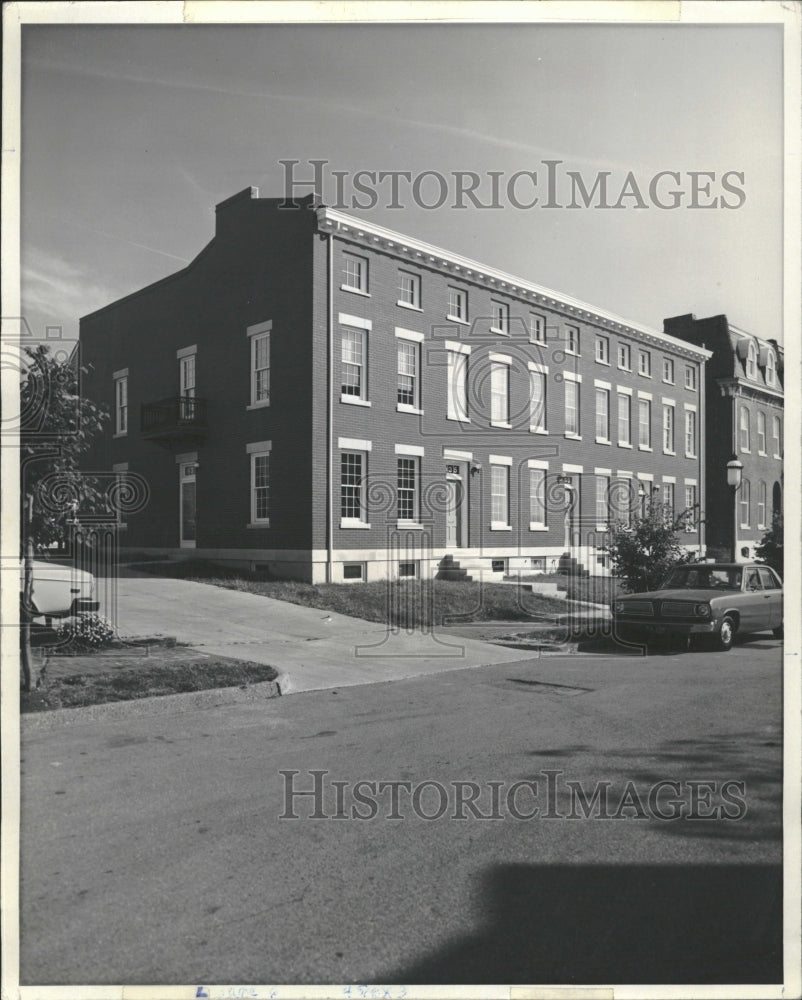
point(408, 570)
point(353, 571)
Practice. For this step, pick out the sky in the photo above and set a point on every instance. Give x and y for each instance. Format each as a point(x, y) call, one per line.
point(131, 135)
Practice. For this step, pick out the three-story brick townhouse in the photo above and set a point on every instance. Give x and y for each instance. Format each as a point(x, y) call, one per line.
point(325, 399)
point(744, 390)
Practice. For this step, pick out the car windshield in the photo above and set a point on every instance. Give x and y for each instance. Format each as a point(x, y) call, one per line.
point(704, 578)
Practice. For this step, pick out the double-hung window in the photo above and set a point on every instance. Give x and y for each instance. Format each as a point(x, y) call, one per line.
point(745, 503)
point(121, 401)
point(690, 377)
point(259, 337)
point(668, 501)
point(186, 381)
point(761, 432)
point(501, 317)
point(668, 370)
point(353, 358)
point(572, 339)
point(603, 414)
point(751, 361)
point(745, 437)
point(690, 507)
point(602, 498)
point(624, 419)
point(458, 304)
point(259, 455)
point(761, 504)
point(537, 495)
point(407, 492)
point(777, 436)
point(499, 391)
point(603, 350)
point(537, 398)
point(409, 289)
point(353, 473)
point(408, 356)
point(537, 328)
point(457, 375)
point(771, 369)
point(572, 424)
point(644, 423)
point(625, 357)
point(690, 433)
point(355, 273)
point(668, 428)
point(499, 494)
point(645, 364)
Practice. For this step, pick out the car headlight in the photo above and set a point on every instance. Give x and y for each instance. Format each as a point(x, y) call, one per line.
point(703, 610)
point(619, 607)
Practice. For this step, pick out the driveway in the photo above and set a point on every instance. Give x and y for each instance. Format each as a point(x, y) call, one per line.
point(317, 648)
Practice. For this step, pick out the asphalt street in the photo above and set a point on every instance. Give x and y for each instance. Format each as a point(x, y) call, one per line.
point(153, 850)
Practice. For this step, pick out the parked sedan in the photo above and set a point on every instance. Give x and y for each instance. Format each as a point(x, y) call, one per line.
point(718, 600)
point(60, 591)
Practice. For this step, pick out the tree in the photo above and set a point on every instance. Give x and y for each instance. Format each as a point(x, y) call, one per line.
point(643, 551)
point(770, 548)
point(57, 427)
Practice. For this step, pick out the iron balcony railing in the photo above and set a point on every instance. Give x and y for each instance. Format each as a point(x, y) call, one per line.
point(174, 417)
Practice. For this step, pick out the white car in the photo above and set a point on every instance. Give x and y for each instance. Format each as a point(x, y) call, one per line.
point(60, 591)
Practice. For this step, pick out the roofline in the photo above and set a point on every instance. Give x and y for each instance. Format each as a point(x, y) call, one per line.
point(328, 216)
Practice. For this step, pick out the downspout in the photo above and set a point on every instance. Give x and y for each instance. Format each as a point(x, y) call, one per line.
point(330, 408)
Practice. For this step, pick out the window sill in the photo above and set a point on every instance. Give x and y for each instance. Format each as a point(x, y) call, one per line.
point(258, 406)
point(539, 343)
point(666, 382)
point(624, 444)
point(406, 408)
point(409, 305)
point(456, 319)
point(120, 434)
point(355, 401)
point(258, 524)
point(645, 447)
point(572, 354)
point(535, 526)
point(667, 452)
point(689, 454)
point(354, 291)
point(495, 329)
point(763, 454)
point(600, 362)
point(602, 526)
point(621, 368)
point(349, 522)
point(538, 430)
point(497, 423)
point(499, 526)
point(644, 375)
point(603, 441)
point(746, 451)
point(572, 437)
point(410, 525)
point(459, 420)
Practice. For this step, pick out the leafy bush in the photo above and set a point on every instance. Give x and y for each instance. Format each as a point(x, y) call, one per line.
point(642, 553)
point(86, 632)
point(770, 547)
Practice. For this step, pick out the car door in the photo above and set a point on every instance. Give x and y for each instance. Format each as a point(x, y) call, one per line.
point(772, 589)
point(755, 603)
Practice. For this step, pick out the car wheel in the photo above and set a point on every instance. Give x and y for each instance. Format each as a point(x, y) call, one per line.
point(778, 632)
point(725, 634)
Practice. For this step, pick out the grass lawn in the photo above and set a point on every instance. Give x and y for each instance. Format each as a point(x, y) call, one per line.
point(407, 603)
point(127, 674)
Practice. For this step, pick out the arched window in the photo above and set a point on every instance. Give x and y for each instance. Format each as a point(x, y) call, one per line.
point(771, 369)
point(745, 502)
point(776, 499)
point(751, 362)
point(761, 504)
point(744, 425)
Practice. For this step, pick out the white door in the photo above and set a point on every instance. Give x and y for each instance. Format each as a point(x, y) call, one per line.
point(187, 508)
point(454, 502)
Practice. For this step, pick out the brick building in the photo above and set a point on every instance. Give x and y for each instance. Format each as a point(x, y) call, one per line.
point(744, 420)
point(331, 400)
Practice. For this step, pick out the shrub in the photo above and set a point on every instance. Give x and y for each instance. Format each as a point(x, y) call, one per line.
point(642, 553)
point(86, 632)
point(770, 548)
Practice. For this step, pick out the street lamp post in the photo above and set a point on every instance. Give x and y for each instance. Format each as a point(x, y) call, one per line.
point(734, 477)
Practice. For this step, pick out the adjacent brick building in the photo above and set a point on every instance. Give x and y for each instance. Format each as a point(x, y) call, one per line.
point(331, 400)
point(744, 420)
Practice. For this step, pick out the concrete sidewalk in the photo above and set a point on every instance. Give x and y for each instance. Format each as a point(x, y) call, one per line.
point(316, 648)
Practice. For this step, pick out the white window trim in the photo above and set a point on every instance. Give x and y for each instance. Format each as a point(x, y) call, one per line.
point(599, 384)
point(117, 377)
point(644, 395)
point(567, 467)
point(458, 319)
point(403, 334)
point(598, 360)
point(410, 450)
point(258, 330)
point(354, 444)
point(534, 366)
point(457, 456)
point(186, 352)
point(416, 285)
point(505, 312)
point(672, 380)
point(506, 360)
point(502, 359)
point(568, 349)
point(365, 272)
point(499, 460)
point(347, 397)
point(256, 449)
point(457, 347)
point(627, 367)
point(625, 390)
point(572, 377)
point(346, 319)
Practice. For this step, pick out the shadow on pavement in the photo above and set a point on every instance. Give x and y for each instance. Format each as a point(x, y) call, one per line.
point(617, 924)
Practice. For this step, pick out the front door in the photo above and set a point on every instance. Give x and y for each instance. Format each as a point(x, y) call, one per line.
point(187, 510)
point(454, 502)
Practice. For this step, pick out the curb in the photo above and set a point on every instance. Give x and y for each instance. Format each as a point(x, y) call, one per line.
point(168, 704)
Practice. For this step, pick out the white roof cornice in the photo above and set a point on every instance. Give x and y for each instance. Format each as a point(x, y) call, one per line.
point(368, 234)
